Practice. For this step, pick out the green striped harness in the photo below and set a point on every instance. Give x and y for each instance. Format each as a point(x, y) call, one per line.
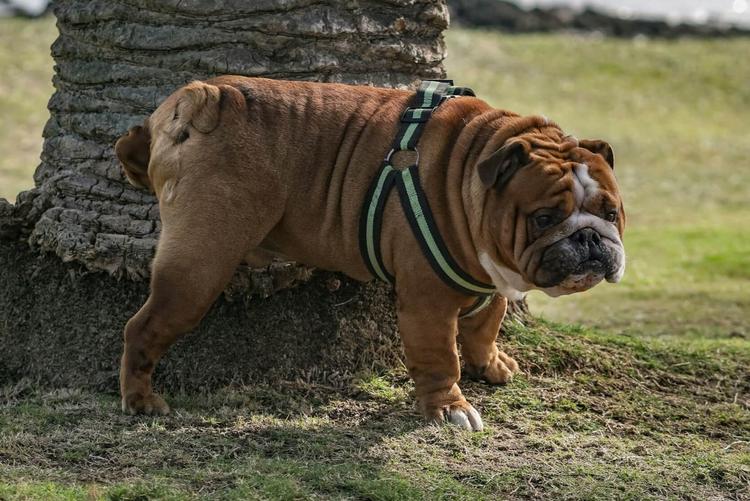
point(430, 95)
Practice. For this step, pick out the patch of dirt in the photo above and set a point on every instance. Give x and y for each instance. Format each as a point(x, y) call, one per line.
point(61, 326)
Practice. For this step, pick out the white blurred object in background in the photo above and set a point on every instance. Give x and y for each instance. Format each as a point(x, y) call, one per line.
point(30, 8)
point(674, 11)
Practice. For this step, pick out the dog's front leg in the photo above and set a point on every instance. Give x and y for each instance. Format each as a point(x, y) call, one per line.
point(477, 335)
point(428, 332)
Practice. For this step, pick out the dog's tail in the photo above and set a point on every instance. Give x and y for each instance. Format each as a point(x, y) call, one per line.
point(197, 105)
point(133, 149)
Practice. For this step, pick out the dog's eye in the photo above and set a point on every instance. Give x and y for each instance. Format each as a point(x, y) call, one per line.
point(611, 216)
point(543, 221)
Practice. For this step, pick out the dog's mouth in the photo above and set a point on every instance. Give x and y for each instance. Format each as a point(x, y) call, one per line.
point(586, 276)
point(583, 277)
point(576, 263)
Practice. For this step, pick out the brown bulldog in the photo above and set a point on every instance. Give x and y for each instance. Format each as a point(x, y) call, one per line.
point(247, 168)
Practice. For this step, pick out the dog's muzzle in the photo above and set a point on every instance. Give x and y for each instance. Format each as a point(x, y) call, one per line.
point(577, 262)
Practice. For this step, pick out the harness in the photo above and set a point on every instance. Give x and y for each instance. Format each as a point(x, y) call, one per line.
point(414, 202)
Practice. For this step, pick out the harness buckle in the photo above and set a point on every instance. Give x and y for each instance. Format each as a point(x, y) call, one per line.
point(408, 164)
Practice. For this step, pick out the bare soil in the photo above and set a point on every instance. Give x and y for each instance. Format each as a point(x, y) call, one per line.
point(62, 326)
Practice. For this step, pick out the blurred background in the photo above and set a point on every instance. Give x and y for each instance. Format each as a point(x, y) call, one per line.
point(666, 83)
point(697, 11)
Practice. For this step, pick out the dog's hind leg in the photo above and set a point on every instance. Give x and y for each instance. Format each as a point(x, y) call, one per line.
point(206, 234)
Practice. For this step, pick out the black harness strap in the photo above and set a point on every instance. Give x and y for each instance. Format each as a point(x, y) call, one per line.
point(430, 95)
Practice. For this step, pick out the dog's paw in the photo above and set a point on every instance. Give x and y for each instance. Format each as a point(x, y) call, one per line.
point(499, 370)
point(509, 362)
point(460, 414)
point(151, 405)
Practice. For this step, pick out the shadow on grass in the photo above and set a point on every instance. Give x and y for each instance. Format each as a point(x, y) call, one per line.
point(595, 415)
point(249, 441)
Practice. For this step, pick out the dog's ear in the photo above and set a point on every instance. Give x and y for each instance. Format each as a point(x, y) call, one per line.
point(498, 167)
point(199, 106)
point(133, 151)
point(600, 148)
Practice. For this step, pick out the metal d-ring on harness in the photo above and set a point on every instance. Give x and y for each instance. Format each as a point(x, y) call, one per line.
point(430, 95)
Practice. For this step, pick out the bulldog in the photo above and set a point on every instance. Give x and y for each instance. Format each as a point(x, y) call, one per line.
point(248, 169)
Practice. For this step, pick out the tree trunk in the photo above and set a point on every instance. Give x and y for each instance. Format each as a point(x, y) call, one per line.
point(115, 62)
point(518, 311)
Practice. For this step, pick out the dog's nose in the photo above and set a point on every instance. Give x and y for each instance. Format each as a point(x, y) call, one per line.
point(585, 236)
point(591, 240)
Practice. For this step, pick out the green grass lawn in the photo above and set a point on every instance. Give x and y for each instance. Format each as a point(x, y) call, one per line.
point(25, 87)
point(650, 400)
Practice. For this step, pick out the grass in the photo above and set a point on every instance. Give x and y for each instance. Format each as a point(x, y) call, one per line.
point(652, 402)
point(595, 415)
point(25, 88)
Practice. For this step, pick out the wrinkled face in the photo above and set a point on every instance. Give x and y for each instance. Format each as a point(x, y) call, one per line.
point(557, 219)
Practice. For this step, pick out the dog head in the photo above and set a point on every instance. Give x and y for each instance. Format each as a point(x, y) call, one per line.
point(553, 216)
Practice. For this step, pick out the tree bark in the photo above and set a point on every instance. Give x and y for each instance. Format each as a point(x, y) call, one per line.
point(518, 311)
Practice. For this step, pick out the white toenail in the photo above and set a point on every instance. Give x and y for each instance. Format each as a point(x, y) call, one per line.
point(458, 417)
point(475, 419)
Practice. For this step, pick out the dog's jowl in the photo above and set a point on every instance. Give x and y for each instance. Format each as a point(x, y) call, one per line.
point(490, 206)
